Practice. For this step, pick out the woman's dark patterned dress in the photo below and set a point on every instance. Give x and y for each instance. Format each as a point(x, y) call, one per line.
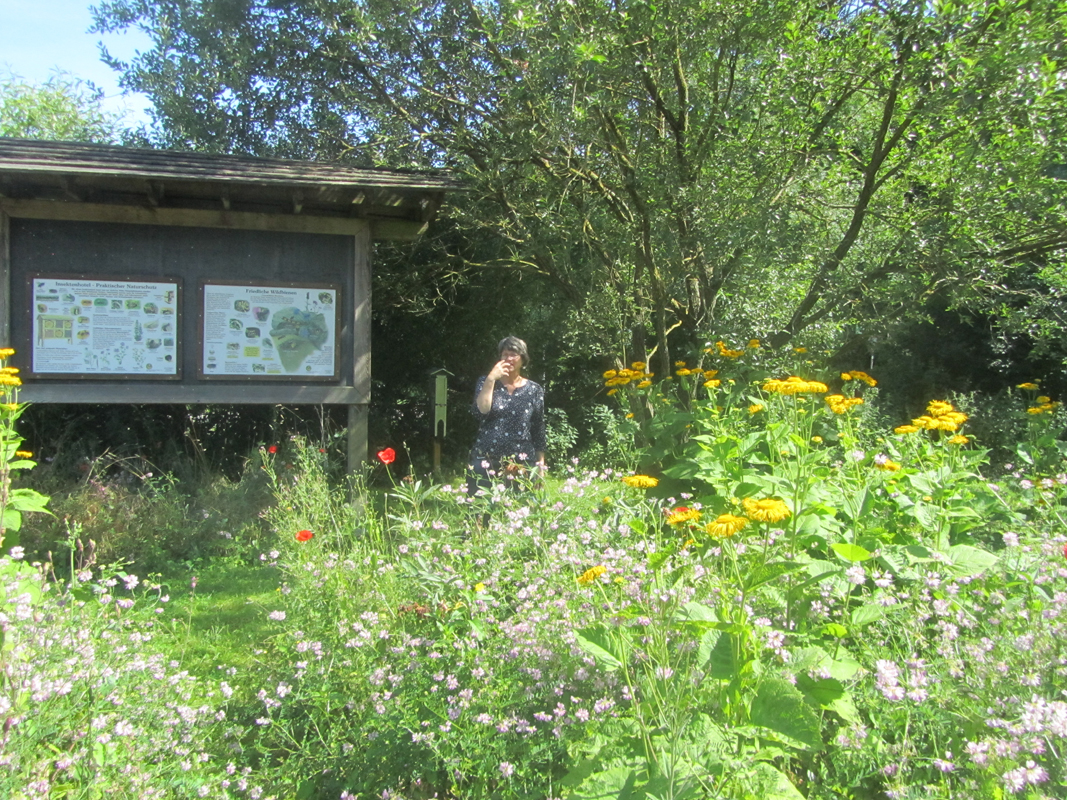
point(514, 428)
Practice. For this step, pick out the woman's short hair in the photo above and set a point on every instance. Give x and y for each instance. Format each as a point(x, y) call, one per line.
point(515, 345)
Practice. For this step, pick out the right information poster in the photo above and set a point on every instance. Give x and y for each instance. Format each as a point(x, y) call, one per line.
point(263, 331)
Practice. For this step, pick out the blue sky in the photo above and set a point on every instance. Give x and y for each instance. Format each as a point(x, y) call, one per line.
point(41, 37)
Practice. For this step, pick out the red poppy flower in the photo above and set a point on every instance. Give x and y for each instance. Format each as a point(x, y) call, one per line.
point(1065, 551)
point(387, 456)
point(304, 536)
point(272, 449)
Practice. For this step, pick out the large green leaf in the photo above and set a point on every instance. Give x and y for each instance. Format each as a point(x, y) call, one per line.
point(967, 560)
point(598, 649)
point(614, 782)
point(866, 614)
point(779, 706)
point(10, 519)
point(850, 552)
point(769, 783)
point(765, 573)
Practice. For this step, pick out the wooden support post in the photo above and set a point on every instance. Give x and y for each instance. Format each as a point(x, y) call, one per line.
point(357, 437)
point(361, 336)
point(5, 281)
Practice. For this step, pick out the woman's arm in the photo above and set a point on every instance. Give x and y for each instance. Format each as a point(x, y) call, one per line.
point(484, 399)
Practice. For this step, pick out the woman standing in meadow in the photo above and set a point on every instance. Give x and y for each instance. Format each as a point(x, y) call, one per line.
point(510, 409)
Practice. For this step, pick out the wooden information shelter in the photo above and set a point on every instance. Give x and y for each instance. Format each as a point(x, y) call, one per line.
point(148, 276)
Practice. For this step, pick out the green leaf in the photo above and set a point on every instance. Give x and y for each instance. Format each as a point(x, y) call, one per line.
point(769, 572)
point(918, 554)
point(779, 706)
point(603, 656)
point(967, 560)
point(658, 559)
point(617, 782)
point(850, 552)
point(835, 630)
point(10, 519)
point(696, 612)
point(722, 660)
point(866, 614)
point(707, 646)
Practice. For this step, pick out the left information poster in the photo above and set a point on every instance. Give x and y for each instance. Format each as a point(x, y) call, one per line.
point(100, 327)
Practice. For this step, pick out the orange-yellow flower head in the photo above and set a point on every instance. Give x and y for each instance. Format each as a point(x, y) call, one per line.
point(682, 515)
point(641, 481)
point(726, 352)
point(795, 385)
point(766, 509)
point(857, 375)
point(940, 416)
point(592, 574)
point(840, 404)
point(725, 526)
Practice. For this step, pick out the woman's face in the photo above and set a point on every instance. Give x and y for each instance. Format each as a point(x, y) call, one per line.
point(514, 359)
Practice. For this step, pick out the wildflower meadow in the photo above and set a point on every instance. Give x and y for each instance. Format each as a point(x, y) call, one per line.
point(776, 594)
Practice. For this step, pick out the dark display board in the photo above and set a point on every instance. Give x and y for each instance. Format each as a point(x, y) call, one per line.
point(113, 260)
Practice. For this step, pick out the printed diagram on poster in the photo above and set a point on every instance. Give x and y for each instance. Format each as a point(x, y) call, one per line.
point(260, 331)
point(103, 328)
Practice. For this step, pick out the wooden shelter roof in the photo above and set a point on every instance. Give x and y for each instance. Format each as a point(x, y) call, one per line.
point(400, 203)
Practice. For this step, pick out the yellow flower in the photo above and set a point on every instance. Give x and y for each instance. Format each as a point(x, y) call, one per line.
point(959, 438)
point(753, 343)
point(840, 404)
point(6, 352)
point(641, 481)
point(800, 349)
point(795, 385)
point(683, 372)
point(644, 384)
point(9, 370)
point(906, 429)
point(630, 415)
point(726, 352)
point(817, 439)
point(766, 509)
point(938, 408)
point(1031, 385)
point(639, 365)
point(479, 588)
point(714, 383)
point(9, 380)
point(1036, 410)
point(857, 375)
point(755, 408)
point(679, 363)
point(725, 526)
point(683, 515)
point(24, 454)
point(1044, 399)
point(592, 574)
point(887, 465)
point(610, 374)
point(612, 391)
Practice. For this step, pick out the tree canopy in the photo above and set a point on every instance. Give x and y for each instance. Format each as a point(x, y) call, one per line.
point(668, 169)
point(62, 108)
